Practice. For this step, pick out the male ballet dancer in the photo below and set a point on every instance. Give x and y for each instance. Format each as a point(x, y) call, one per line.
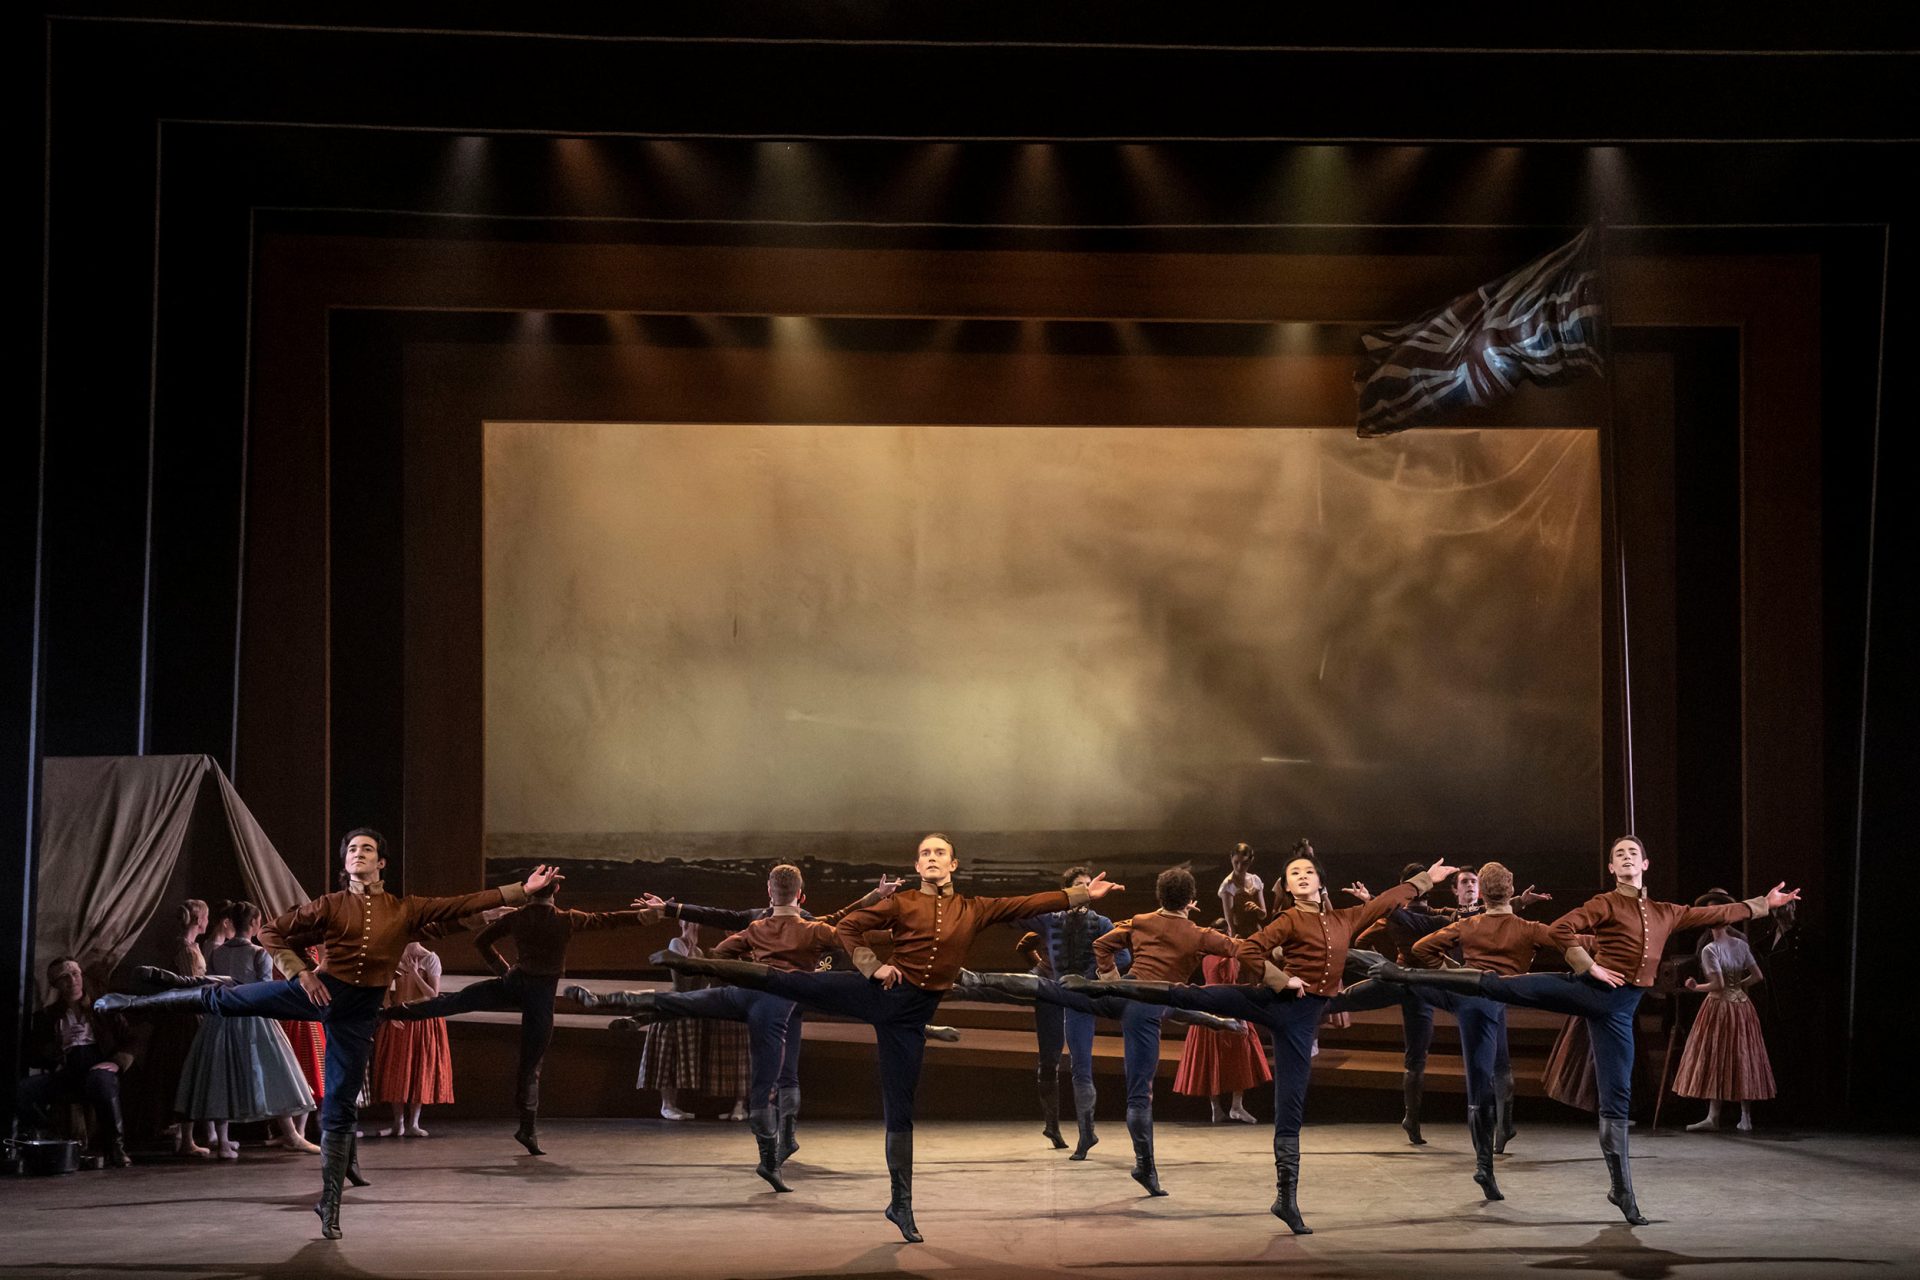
point(1629, 933)
point(363, 930)
point(932, 927)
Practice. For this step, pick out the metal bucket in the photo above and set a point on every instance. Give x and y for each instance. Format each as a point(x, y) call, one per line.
point(45, 1156)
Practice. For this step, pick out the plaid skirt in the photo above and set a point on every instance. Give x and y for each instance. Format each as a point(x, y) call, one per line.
point(697, 1056)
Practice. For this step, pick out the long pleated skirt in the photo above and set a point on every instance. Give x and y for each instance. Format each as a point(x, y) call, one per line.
point(412, 1062)
point(240, 1069)
point(1726, 1055)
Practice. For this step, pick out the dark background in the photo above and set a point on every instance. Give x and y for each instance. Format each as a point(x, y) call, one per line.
point(279, 252)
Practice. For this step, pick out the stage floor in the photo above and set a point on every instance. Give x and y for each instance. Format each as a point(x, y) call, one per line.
point(650, 1198)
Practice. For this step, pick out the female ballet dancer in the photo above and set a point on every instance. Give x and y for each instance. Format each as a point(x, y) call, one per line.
point(1726, 1055)
point(363, 929)
point(1289, 999)
point(1629, 933)
point(932, 927)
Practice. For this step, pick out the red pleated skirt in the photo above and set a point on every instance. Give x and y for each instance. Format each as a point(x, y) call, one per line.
point(412, 1062)
point(1726, 1055)
point(1569, 1075)
point(1215, 1062)
point(309, 1041)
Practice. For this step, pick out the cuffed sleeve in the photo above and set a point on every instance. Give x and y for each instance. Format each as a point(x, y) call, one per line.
point(1579, 959)
point(864, 960)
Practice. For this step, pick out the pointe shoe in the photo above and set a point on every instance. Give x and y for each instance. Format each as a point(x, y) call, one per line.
point(739, 1112)
point(946, 1035)
point(674, 1113)
point(228, 1151)
point(415, 1131)
point(1703, 1126)
point(1243, 1115)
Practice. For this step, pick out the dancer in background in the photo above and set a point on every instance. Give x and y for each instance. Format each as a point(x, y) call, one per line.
point(1629, 931)
point(242, 1069)
point(412, 1059)
point(932, 927)
point(1068, 939)
point(1050, 1036)
point(1221, 1066)
point(363, 929)
point(541, 932)
point(1497, 941)
point(1726, 1054)
point(1297, 959)
point(784, 939)
point(1241, 889)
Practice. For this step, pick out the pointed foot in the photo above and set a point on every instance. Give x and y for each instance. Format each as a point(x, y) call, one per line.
point(530, 1140)
point(329, 1222)
point(902, 1218)
point(1148, 1179)
point(1291, 1216)
point(1052, 1135)
point(1629, 1209)
point(946, 1035)
point(581, 996)
point(772, 1177)
point(1413, 1132)
point(1087, 1143)
point(1489, 1189)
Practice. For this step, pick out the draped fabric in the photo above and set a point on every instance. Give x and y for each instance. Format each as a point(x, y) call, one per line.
point(114, 829)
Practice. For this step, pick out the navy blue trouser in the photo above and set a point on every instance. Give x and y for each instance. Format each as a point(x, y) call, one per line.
point(1482, 1022)
point(1139, 1033)
point(350, 1018)
point(529, 993)
point(897, 1014)
point(1609, 1012)
point(773, 1032)
point(1057, 1028)
point(1291, 1020)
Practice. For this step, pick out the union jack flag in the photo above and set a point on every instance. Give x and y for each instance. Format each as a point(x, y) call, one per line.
point(1540, 323)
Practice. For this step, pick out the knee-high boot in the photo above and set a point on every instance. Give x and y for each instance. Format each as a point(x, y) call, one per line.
point(1503, 1130)
point(354, 1176)
point(167, 979)
point(1048, 1081)
point(1613, 1145)
point(1480, 1129)
point(1140, 1129)
point(1125, 988)
point(1413, 1085)
point(115, 1137)
point(1084, 1098)
point(1024, 988)
point(741, 973)
point(789, 1100)
point(1286, 1179)
point(334, 1152)
point(191, 999)
point(764, 1122)
point(636, 1004)
point(528, 1134)
point(900, 1176)
point(1465, 981)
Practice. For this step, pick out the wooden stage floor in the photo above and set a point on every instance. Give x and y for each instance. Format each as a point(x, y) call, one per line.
point(652, 1198)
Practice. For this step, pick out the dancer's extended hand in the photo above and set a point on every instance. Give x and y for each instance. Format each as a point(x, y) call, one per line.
point(1606, 975)
point(649, 902)
point(1530, 895)
point(316, 990)
point(1440, 871)
point(1779, 896)
point(1099, 887)
point(886, 975)
point(542, 876)
point(886, 888)
point(1359, 891)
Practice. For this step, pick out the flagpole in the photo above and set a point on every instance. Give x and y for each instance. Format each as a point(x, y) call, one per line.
point(1610, 458)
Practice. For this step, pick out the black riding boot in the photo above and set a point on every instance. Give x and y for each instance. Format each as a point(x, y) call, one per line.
point(1022, 988)
point(1286, 1179)
point(900, 1175)
point(1126, 989)
point(1465, 981)
point(1413, 1084)
point(115, 1137)
point(1140, 1129)
point(167, 979)
point(528, 1134)
point(636, 1004)
point(764, 1121)
point(1084, 1097)
point(1480, 1129)
point(180, 1000)
point(353, 1163)
point(741, 973)
point(1613, 1145)
point(1503, 1130)
point(335, 1150)
point(789, 1114)
point(1048, 1079)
